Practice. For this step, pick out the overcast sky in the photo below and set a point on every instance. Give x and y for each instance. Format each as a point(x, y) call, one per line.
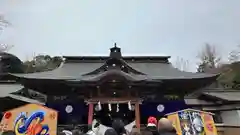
point(178, 28)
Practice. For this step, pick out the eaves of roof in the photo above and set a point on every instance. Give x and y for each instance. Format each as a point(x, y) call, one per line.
point(227, 95)
point(6, 89)
point(155, 71)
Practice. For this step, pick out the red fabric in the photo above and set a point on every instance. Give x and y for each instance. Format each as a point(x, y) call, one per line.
point(152, 120)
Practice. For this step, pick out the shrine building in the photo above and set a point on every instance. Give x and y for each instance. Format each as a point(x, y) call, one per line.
point(83, 88)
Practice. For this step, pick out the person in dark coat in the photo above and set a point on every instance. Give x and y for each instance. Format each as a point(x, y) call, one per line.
point(152, 125)
point(165, 127)
point(110, 131)
point(118, 126)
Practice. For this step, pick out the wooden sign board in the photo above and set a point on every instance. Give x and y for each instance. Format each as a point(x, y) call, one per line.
point(30, 119)
point(191, 122)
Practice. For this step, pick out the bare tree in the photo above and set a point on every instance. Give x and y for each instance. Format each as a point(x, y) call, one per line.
point(3, 24)
point(41, 63)
point(182, 64)
point(234, 55)
point(209, 58)
point(5, 47)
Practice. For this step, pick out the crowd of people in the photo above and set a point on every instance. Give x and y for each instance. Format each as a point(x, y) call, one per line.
point(154, 127)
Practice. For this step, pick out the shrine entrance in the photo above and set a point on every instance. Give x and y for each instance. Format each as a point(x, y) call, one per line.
point(107, 113)
point(106, 110)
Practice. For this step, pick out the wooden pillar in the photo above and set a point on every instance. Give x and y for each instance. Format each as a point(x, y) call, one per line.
point(137, 115)
point(90, 113)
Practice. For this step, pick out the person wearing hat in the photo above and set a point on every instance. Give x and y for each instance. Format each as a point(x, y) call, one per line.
point(152, 125)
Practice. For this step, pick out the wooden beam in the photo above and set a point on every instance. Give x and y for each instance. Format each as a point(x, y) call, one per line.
point(137, 115)
point(90, 113)
point(107, 100)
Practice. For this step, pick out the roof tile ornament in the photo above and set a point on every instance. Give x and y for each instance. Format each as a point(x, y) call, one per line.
point(115, 52)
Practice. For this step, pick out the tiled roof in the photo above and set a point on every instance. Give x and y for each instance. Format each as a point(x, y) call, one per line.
point(227, 95)
point(6, 89)
point(194, 101)
point(152, 70)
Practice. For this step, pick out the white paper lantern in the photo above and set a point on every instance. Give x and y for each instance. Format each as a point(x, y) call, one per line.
point(99, 105)
point(129, 105)
point(97, 108)
point(160, 108)
point(109, 107)
point(133, 107)
point(117, 110)
point(69, 109)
